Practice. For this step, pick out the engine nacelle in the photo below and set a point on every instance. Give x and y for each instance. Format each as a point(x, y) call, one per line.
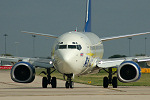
point(129, 71)
point(23, 72)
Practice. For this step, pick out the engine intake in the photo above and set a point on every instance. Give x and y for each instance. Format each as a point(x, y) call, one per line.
point(129, 71)
point(23, 72)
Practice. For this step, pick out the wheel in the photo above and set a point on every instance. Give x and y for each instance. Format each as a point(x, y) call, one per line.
point(44, 82)
point(114, 82)
point(53, 82)
point(71, 84)
point(105, 82)
point(67, 84)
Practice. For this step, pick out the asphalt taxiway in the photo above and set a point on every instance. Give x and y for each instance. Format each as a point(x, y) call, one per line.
point(34, 91)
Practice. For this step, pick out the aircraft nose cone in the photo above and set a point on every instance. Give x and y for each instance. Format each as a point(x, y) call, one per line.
point(66, 57)
point(66, 64)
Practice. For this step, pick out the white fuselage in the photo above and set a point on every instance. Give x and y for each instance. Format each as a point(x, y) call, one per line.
point(76, 52)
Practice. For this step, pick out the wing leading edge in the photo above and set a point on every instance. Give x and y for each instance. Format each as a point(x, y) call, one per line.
point(123, 36)
point(41, 34)
point(115, 62)
point(36, 62)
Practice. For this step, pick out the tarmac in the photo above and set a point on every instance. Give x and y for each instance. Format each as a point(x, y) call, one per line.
point(10, 90)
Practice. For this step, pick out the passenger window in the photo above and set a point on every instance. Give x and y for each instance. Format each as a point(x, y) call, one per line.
point(62, 46)
point(79, 47)
point(72, 47)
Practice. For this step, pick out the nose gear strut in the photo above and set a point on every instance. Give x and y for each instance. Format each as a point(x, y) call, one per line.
point(69, 82)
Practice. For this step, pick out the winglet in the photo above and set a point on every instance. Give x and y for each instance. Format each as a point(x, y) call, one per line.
point(87, 27)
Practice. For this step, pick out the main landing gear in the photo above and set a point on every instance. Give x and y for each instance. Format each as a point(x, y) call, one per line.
point(109, 80)
point(69, 82)
point(48, 80)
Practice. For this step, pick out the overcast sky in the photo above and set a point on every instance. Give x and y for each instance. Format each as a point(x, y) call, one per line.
point(109, 18)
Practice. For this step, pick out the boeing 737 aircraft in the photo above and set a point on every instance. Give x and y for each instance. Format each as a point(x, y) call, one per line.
point(80, 53)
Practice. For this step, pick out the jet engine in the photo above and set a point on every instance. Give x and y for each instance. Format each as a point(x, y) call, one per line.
point(129, 71)
point(23, 72)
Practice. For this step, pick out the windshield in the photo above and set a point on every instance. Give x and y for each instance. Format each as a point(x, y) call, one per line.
point(62, 46)
point(78, 47)
point(72, 46)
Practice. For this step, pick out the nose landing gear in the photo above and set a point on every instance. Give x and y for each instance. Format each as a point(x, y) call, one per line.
point(69, 82)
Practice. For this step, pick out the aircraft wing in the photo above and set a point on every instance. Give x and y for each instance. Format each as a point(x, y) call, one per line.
point(36, 62)
point(10, 59)
point(123, 36)
point(115, 62)
point(41, 34)
point(42, 63)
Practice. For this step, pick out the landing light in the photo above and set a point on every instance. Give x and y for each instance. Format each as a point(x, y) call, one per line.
point(50, 62)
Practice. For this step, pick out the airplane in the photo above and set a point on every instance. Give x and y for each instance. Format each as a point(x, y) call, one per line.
point(79, 53)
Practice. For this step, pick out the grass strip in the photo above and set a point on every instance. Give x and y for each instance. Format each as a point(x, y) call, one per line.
point(97, 79)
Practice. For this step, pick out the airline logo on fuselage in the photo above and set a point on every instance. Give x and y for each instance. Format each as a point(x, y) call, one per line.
point(81, 54)
point(86, 62)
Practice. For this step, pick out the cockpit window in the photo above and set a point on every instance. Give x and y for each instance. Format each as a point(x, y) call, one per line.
point(79, 47)
point(62, 46)
point(72, 46)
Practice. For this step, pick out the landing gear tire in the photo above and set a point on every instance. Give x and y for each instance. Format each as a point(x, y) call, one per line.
point(105, 82)
point(53, 82)
point(114, 82)
point(44, 82)
point(67, 84)
point(71, 84)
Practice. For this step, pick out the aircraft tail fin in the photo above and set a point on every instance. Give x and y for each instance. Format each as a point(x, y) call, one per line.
point(87, 27)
